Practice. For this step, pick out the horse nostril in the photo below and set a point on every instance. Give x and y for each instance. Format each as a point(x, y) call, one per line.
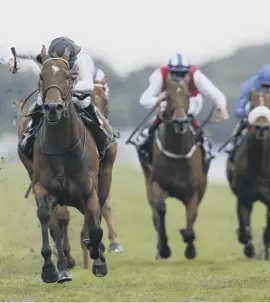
point(46, 107)
point(59, 106)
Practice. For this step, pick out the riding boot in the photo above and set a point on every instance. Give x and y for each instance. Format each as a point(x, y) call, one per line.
point(144, 147)
point(208, 156)
point(236, 135)
point(206, 144)
point(103, 139)
point(28, 139)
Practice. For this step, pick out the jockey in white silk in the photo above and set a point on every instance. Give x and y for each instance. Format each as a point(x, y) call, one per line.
point(81, 64)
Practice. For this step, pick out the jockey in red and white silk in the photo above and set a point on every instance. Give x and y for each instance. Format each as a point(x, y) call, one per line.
point(179, 68)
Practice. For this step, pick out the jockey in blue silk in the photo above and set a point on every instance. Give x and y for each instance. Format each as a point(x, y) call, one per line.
point(261, 83)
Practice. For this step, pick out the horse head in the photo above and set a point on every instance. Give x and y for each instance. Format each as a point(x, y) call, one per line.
point(55, 83)
point(259, 114)
point(177, 104)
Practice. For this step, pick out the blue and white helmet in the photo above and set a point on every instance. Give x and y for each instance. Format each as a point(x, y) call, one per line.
point(178, 63)
point(264, 75)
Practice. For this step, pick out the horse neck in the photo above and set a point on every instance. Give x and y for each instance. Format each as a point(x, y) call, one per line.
point(62, 136)
point(258, 155)
point(176, 143)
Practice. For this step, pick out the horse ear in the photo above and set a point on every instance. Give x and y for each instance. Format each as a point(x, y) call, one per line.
point(66, 54)
point(43, 53)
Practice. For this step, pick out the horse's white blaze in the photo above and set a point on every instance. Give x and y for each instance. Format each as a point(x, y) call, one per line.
point(55, 69)
point(257, 112)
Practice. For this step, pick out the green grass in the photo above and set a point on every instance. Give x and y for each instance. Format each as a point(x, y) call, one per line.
point(220, 272)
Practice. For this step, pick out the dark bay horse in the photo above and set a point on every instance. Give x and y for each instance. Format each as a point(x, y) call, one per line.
point(65, 170)
point(100, 100)
point(176, 169)
point(249, 172)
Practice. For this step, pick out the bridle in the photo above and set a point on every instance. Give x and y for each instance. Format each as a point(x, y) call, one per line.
point(64, 95)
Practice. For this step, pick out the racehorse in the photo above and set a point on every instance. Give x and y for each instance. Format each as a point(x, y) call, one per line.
point(248, 172)
point(176, 169)
point(100, 100)
point(65, 169)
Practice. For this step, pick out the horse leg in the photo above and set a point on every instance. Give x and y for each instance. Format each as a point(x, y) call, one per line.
point(266, 235)
point(94, 243)
point(63, 275)
point(84, 235)
point(188, 233)
point(156, 199)
point(112, 235)
point(49, 273)
point(244, 232)
point(63, 216)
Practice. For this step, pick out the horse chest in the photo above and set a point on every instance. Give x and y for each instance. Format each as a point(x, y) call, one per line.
point(174, 180)
point(62, 185)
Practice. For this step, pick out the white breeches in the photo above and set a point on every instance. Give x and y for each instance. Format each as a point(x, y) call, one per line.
point(195, 105)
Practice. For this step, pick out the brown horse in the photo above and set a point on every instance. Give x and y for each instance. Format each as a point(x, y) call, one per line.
point(249, 172)
point(99, 98)
point(176, 169)
point(65, 169)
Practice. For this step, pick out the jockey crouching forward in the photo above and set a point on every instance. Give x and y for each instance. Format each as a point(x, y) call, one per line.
point(179, 68)
point(261, 83)
point(82, 65)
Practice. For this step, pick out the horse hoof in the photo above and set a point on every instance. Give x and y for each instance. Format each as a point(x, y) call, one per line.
point(164, 253)
point(64, 276)
point(99, 268)
point(49, 273)
point(249, 251)
point(115, 247)
point(70, 263)
point(190, 252)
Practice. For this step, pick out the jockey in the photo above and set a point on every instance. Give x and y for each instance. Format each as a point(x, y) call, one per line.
point(261, 83)
point(81, 64)
point(179, 67)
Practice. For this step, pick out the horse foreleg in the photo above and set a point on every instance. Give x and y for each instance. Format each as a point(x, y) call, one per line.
point(63, 275)
point(84, 235)
point(244, 209)
point(63, 216)
point(156, 199)
point(94, 244)
point(112, 235)
point(49, 273)
point(188, 233)
point(266, 235)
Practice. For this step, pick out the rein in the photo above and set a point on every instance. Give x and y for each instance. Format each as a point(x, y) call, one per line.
point(195, 133)
point(65, 97)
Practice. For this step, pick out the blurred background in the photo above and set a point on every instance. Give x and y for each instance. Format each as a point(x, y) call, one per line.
point(229, 41)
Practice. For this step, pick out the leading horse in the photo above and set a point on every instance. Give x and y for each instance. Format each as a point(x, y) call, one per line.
point(176, 169)
point(65, 169)
point(248, 172)
point(99, 99)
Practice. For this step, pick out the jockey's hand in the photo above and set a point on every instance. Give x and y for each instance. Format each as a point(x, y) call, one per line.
point(223, 114)
point(11, 66)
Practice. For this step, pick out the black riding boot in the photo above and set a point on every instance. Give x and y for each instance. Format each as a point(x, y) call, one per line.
point(28, 139)
point(237, 133)
point(207, 148)
point(144, 147)
point(103, 139)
